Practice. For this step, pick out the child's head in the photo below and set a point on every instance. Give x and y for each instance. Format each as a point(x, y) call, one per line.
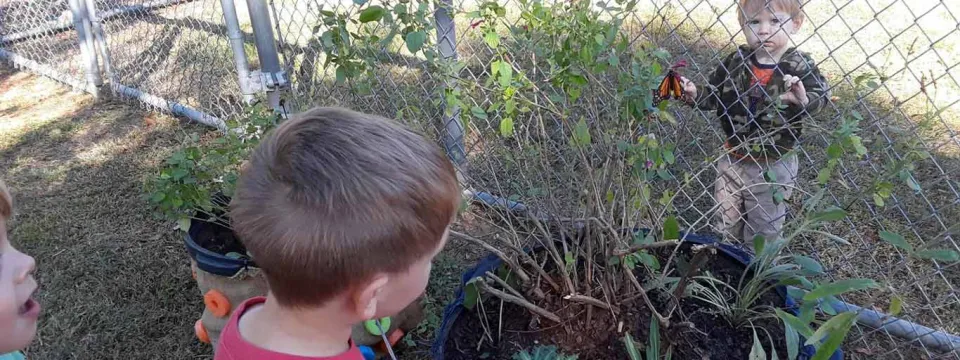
point(18, 310)
point(768, 24)
point(339, 206)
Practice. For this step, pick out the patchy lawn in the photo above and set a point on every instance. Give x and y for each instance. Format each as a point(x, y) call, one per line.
point(115, 281)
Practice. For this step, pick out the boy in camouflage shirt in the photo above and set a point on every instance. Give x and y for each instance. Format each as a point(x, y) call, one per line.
point(762, 93)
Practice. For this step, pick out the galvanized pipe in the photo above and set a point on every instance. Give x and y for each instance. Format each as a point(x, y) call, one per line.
point(54, 27)
point(453, 131)
point(85, 42)
point(239, 53)
point(44, 70)
point(266, 50)
point(169, 106)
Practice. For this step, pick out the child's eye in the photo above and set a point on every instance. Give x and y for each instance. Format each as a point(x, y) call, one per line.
point(776, 21)
point(753, 22)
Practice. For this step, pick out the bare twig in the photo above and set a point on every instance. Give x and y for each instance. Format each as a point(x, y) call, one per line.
point(635, 248)
point(503, 283)
point(583, 299)
point(588, 275)
point(512, 264)
point(643, 294)
point(699, 258)
point(519, 301)
point(552, 249)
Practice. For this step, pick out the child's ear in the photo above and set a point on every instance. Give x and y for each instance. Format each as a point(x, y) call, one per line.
point(797, 24)
point(364, 301)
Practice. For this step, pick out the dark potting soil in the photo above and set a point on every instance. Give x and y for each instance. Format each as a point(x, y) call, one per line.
point(219, 239)
point(505, 328)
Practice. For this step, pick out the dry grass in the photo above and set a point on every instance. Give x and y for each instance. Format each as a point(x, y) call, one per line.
point(114, 281)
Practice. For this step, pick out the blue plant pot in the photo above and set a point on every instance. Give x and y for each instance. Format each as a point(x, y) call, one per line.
point(492, 262)
point(210, 261)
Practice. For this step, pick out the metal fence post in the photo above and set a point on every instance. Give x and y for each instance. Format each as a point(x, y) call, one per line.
point(81, 23)
point(453, 131)
point(100, 40)
point(272, 76)
point(247, 83)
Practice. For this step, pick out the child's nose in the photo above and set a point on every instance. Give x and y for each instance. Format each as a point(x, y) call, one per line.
point(26, 267)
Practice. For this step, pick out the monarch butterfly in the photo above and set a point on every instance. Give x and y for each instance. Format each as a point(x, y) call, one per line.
point(671, 86)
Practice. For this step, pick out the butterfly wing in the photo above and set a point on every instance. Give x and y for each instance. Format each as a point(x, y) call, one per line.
point(676, 86)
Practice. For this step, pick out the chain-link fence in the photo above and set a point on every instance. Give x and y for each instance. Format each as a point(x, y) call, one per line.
point(514, 92)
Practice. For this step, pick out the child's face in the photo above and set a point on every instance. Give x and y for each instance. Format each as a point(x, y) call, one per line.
point(768, 29)
point(18, 310)
point(406, 287)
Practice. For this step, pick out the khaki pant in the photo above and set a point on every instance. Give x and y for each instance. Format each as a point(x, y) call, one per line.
point(746, 198)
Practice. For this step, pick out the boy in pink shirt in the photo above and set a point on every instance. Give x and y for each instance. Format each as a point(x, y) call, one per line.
point(343, 212)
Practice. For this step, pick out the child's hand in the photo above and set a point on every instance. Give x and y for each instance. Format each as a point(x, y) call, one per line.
point(689, 89)
point(796, 94)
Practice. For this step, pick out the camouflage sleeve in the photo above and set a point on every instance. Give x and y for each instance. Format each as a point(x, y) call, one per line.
point(818, 91)
point(708, 98)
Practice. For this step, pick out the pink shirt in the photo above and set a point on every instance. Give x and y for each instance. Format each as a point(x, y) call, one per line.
point(232, 346)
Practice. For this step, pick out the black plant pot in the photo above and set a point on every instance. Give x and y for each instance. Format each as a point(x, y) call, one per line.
point(492, 262)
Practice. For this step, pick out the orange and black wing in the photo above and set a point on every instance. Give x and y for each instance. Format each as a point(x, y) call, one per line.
point(676, 87)
point(670, 87)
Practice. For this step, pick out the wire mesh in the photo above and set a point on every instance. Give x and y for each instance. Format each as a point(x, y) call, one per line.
point(176, 50)
point(41, 33)
point(889, 65)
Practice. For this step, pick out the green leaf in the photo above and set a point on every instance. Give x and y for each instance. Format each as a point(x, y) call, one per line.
point(913, 184)
point(183, 223)
point(778, 197)
point(613, 260)
point(632, 351)
point(373, 13)
point(341, 74)
point(945, 255)
point(812, 203)
point(834, 151)
point(492, 39)
point(896, 240)
point(809, 265)
point(756, 352)
point(653, 346)
point(758, 243)
point(506, 74)
point(471, 294)
point(878, 200)
point(830, 326)
point(478, 112)
point(158, 197)
point(669, 157)
point(831, 214)
point(896, 305)
point(506, 127)
point(793, 341)
point(858, 145)
point(648, 260)
point(794, 323)
point(671, 228)
point(581, 134)
point(838, 327)
point(839, 287)
point(415, 41)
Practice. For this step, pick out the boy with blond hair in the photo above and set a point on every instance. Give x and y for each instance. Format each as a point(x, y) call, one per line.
point(761, 92)
point(18, 310)
point(343, 212)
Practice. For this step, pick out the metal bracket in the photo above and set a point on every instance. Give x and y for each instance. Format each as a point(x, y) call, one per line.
point(257, 82)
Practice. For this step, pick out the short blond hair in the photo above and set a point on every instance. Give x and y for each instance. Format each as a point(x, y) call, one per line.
point(792, 7)
point(6, 202)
